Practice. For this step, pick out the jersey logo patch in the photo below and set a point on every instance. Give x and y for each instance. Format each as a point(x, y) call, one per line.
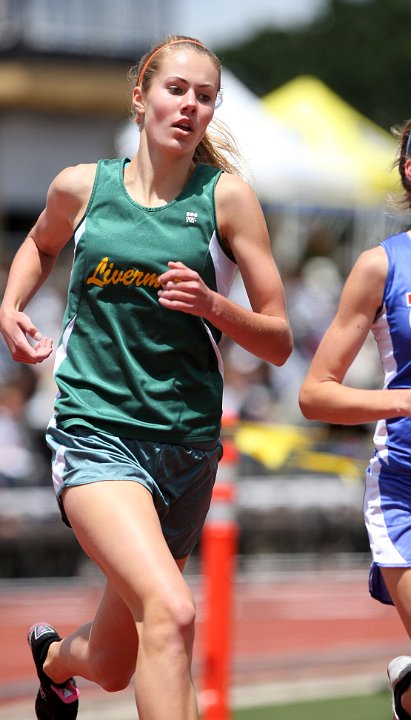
point(408, 298)
point(191, 217)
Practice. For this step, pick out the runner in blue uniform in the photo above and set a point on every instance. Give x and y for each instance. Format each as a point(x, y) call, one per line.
point(135, 432)
point(377, 298)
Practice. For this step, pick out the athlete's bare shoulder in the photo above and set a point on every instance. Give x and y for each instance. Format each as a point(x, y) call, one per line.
point(76, 179)
point(72, 188)
point(236, 201)
point(240, 219)
point(233, 187)
point(372, 263)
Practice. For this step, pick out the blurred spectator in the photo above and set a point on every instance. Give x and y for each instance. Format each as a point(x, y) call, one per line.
point(262, 392)
point(17, 464)
point(247, 394)
point(312, 299)
point(46, 311)
point(26, 402)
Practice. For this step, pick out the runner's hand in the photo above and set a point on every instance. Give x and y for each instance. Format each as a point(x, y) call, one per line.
point(183, 289)
point(23, 338)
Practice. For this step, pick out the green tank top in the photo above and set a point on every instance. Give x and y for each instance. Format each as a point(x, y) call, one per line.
point(126, 365)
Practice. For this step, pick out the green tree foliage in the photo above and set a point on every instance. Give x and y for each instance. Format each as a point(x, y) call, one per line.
point(360, 50)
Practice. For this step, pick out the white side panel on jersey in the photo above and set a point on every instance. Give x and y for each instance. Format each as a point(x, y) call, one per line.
point(382, 547)
point(223, 266)
point(381, 332)
point(79, 232)
point(216, 350)
point(61, 352)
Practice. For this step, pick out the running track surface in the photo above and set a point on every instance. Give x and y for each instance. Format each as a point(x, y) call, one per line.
point(285, 627)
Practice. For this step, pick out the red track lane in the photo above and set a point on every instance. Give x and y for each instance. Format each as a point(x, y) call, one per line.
point(323, 623)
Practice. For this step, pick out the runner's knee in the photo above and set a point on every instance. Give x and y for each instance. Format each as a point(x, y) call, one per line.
point(169, 627)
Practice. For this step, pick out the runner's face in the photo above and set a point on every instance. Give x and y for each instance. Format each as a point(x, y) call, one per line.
point(180, 101)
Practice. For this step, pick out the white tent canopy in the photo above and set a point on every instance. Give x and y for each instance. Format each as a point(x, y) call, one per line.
point(281, 167)
point(278, 165)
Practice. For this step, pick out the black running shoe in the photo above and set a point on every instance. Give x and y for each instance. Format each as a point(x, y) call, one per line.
point(55, 701)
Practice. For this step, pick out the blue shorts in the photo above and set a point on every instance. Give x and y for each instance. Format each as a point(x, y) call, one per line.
point(387, 510)
point(179, 477)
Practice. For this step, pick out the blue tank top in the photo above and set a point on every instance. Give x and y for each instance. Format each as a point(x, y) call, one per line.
point(392, 332)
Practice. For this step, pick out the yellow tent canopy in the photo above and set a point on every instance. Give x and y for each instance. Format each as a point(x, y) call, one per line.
point(342, 138)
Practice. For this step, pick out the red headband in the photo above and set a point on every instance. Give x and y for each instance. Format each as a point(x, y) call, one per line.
point(172, 42)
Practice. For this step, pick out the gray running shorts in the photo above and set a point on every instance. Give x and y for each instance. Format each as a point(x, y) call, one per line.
point(179, 477)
